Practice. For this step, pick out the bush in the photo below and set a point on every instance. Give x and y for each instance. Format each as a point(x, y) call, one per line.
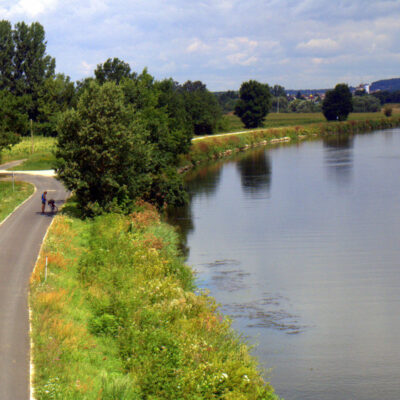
point(388, 110)
point(126, 309)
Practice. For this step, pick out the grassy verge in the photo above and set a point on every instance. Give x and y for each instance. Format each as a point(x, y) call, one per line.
point(117, 318)
point(41, 158)
point(215, 147)
point(10, 199)
point(232, 123)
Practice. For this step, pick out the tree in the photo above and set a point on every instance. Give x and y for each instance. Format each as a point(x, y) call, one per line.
point(6, 55)
point(299, 96)
point(31, 64)
point(55, 96)
point(227, 100)
point(112, 70)
point(278, 91)
point(279, 104)
point(304, 106)
point(253, 104)
point(366, 103)
point(12, 119)
point(24, 65)
point(107, 156)
point(337, 103)
point(201, 106)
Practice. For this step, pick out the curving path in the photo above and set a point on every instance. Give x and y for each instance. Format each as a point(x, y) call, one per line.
point(21, 236)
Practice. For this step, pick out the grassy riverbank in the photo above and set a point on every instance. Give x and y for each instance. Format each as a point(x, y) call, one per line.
point(117, 318)
point(213, 147)
point(277, 120)
point(38, 157)
point(10, 199)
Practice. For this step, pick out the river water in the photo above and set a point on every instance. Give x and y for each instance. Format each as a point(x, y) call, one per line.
point(300, 246)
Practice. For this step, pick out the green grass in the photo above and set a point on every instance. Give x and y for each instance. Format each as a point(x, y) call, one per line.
point(117, 318)
point(274, 120)
point(10, 199)
point(41, 158)
point(213, 147)
point(37, 162)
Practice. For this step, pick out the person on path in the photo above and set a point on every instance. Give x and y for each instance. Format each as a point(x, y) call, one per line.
point(43, 201)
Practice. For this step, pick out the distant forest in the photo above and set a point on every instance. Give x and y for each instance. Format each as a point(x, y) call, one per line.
point(390, 85)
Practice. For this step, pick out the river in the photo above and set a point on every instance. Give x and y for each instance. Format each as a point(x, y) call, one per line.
point(300, 246)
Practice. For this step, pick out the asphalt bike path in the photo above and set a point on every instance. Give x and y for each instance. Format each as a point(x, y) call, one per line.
point(21, 236)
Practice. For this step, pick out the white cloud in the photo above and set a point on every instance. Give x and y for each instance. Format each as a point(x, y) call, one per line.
point(290, 42)
point(316, 45)
point(86, 69)
point(29, 8)
point(197, 46)
point(242, 59)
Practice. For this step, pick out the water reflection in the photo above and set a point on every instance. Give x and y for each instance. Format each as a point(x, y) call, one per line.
point(339, 158)
point(201, 181)
point(255, 174)
point(311, 273)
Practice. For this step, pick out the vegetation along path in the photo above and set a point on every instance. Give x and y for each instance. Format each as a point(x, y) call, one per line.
point(21, 235)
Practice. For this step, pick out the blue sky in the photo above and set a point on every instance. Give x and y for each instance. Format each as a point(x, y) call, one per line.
point(294, 43)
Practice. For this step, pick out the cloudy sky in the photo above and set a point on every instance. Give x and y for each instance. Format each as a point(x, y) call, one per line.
point(294, 43)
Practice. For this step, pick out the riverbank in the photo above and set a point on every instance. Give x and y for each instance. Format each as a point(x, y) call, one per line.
point(213, 147)
point(115, 315)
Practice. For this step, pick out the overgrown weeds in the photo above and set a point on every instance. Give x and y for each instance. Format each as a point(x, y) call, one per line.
point(118, 318)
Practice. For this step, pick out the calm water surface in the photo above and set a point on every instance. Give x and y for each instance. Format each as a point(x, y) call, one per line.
point(300, 245)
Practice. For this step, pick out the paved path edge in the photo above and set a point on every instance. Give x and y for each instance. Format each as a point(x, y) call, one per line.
point(31, 364)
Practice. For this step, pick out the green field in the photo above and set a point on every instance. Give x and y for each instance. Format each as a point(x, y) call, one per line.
point(274, 120)
point(38, 157)
point(10, 199)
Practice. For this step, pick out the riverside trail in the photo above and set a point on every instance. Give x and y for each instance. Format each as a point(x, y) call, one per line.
point(21, 236)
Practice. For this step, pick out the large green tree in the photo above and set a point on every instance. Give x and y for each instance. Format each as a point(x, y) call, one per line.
point(112, 70)
point(6, 55)
point(253, 104)
point(338, 103)
point(12, 118)
point(56, 95)
point(202, 108)
point(32, 66)
point(109, 156)
point(24, 65)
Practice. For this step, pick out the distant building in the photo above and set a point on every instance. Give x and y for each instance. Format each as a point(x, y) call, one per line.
point(363, 87)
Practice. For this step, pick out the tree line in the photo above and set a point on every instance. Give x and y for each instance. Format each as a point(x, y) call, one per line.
point(120, 133)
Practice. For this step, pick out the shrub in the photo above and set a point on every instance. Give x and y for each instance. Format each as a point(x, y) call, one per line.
point(388, 110)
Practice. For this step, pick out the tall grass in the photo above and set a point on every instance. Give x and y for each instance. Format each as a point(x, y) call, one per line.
point(118, 318)
point(38, 156)
point(10, 199)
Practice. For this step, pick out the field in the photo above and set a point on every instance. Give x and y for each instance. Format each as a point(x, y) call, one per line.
point(233, 123)
point(41, 158)
point(10, 199)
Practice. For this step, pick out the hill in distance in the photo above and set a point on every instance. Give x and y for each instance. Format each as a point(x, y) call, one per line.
point(389, 85)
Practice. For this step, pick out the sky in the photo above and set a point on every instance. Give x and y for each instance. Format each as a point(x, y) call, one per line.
point(298, 44)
